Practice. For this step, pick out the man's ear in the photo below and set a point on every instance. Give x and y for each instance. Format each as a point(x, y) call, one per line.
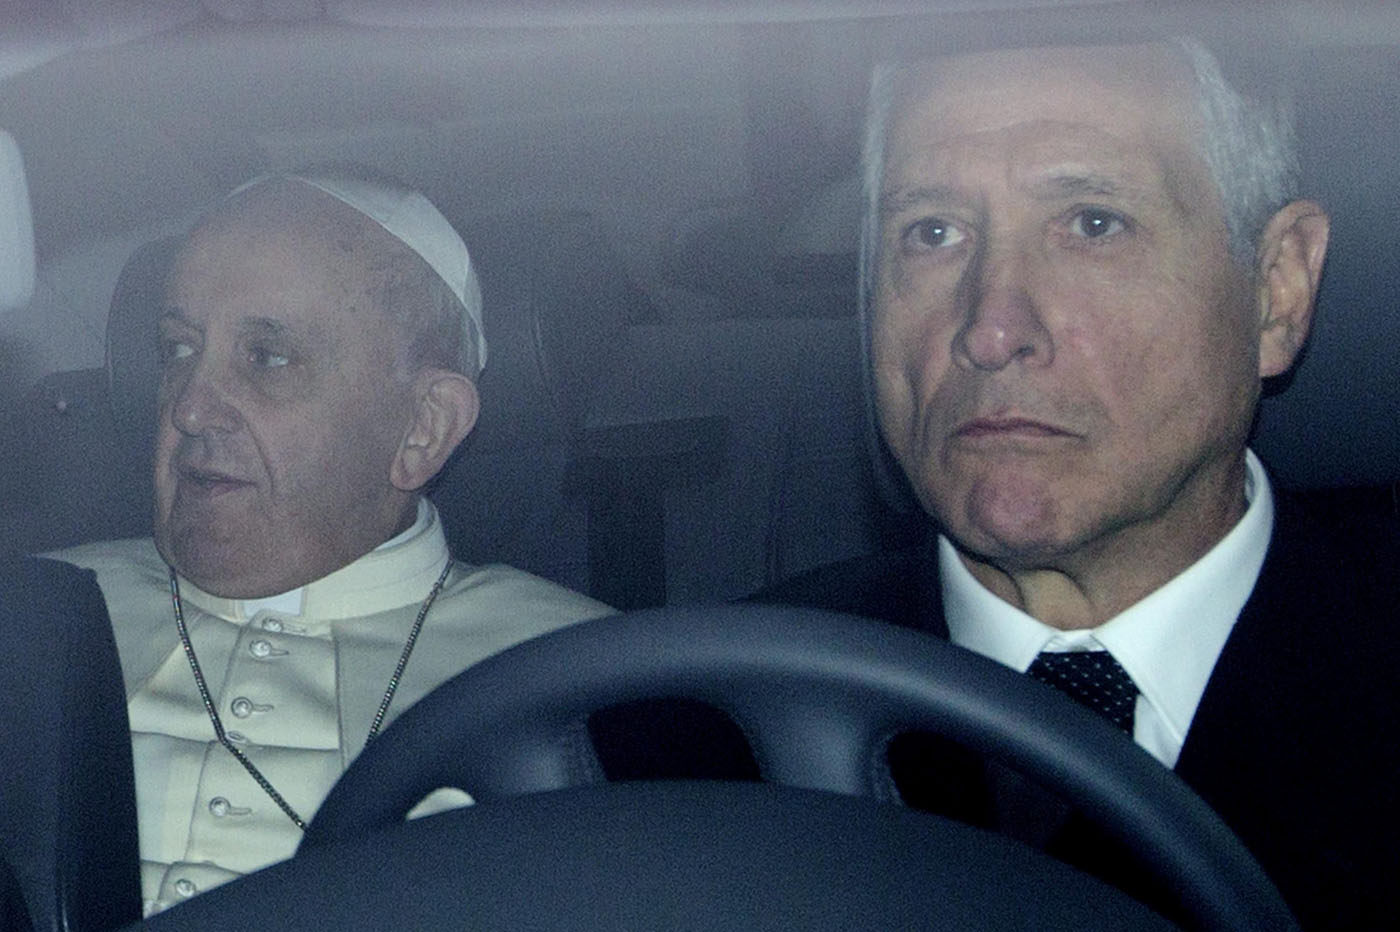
point(1291, 255)
point(445, 406)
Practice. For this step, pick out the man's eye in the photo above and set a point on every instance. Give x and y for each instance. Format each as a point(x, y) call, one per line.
point(171, 350)
point(1094, 223)
point(264, 358)
point(933, 233)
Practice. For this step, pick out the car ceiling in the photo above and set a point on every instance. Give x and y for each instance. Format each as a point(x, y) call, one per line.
point(163, 104)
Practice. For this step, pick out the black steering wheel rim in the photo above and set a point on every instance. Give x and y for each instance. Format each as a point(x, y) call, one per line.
point(818, 694)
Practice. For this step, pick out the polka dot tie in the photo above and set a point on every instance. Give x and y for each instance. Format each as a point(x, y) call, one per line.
point(1093, 679)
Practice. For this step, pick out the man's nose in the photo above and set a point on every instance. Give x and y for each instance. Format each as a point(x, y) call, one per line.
point(199, 405)
point(1003, 322)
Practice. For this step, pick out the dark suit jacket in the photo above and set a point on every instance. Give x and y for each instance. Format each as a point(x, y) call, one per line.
point(67, 801)
point(1296, 742)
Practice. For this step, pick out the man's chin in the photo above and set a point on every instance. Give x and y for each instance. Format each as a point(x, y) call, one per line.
point(223, 569)
point(1010, 551)
point(1006, 518)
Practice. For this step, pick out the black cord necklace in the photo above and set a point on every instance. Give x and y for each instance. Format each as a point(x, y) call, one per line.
point(227, 742)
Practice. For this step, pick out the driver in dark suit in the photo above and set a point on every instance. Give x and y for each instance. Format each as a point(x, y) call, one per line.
point(1078, 266)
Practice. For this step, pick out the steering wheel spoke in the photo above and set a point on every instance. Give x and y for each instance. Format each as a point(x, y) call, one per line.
point(533, 757)
point(813, 746)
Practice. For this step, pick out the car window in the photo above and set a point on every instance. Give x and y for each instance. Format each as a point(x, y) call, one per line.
point(663, 204)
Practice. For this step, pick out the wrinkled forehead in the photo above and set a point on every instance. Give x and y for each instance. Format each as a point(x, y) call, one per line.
point(294, 211)
point(284, 230)
point(290, 255)
point(1142, 94)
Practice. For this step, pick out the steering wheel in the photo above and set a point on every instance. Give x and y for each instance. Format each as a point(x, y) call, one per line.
point(818, 695)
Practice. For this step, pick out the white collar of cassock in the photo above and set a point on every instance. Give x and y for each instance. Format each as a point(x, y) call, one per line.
point(384, 578)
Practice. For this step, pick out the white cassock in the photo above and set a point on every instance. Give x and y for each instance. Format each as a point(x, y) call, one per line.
point(296, 679)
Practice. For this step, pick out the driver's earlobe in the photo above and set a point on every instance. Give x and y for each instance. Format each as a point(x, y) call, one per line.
point(1292, 252)
point(445, 409)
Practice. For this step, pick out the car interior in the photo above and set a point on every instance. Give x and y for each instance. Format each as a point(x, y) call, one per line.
point(662, 204)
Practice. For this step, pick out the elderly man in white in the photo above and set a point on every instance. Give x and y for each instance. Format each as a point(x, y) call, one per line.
point(320, 338)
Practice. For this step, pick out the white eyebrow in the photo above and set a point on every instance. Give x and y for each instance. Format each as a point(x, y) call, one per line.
point(1090, 184)
point(263, 325)
point(1081, 185)
point(903, 198)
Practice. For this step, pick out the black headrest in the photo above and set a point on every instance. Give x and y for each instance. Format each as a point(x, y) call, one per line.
point(556, 301)
point(731, 256)
point(133, 351)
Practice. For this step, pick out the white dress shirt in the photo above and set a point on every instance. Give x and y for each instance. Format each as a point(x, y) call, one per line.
point(1168, 642)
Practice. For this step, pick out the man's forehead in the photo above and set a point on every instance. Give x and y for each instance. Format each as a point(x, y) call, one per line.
point(1116, 120)
point(1122, 90)
point(290, 207)
point(263, 262)
point(286, 225)
point(250, 325)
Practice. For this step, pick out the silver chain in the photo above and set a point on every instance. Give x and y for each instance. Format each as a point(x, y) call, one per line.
point(227, 742)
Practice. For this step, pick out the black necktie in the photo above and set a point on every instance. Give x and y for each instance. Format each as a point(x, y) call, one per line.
point(1093, 679)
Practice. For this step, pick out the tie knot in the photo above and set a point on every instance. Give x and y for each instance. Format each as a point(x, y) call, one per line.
point(1093, 679)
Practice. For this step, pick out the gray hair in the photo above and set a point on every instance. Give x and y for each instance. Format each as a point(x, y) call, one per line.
point(433, 327)
point(436, 325)
point(872, 162)
point(1248, 146)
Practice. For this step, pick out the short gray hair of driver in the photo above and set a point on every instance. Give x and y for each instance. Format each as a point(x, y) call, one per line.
point(1248, 146)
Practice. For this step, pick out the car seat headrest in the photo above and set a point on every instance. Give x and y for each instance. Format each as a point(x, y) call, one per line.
point(557, 299)
point(133, 345)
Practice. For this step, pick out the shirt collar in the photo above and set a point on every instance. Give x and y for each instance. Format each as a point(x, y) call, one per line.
point(396, 573)
point(1168, 642)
